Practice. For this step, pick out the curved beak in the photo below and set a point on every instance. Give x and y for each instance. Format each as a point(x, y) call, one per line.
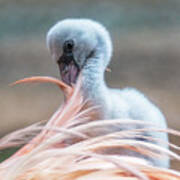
point(69, 69)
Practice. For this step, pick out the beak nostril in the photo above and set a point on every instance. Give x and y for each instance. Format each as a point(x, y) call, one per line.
point(66, 58)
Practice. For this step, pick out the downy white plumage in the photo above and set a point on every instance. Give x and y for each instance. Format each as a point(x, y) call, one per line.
point(83, 46)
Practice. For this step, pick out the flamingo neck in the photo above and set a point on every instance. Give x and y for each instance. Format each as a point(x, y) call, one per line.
point(93, 85)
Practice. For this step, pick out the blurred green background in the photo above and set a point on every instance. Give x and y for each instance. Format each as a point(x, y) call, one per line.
point(146, 39)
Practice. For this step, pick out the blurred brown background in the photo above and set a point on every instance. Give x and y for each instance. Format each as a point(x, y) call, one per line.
point(146, 38)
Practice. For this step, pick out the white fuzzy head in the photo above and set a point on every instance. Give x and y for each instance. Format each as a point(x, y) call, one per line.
point(90, 41)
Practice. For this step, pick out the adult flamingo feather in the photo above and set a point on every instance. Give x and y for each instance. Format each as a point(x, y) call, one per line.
point(69, 149)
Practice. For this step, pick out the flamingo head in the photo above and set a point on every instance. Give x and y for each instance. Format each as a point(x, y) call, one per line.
point(79, 44)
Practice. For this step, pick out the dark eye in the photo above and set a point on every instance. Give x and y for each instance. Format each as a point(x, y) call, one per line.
point(68, 46)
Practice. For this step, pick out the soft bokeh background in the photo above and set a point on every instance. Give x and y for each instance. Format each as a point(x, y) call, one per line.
point(146, 38)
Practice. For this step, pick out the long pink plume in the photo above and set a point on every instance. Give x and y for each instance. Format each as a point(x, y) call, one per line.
point(71, 145)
